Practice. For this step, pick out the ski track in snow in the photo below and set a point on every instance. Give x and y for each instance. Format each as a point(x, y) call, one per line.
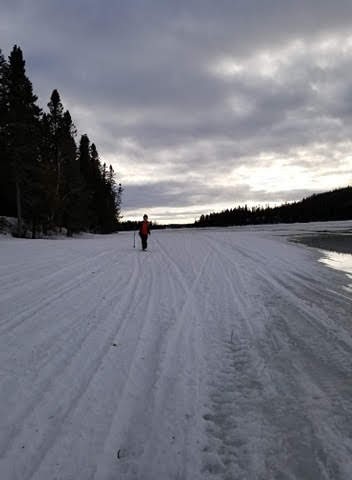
point(219, 354)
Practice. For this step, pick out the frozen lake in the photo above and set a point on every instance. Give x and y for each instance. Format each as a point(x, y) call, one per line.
point(217, 354)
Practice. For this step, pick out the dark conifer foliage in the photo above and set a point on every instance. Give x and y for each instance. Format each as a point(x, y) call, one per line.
point(21, 130)
point(101, 193)
point(101, 196)
point(6, 178)
point(45, 180)
point(333, 205)
point(61, 165)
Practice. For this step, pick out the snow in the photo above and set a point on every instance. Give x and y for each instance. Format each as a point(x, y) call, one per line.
point(217, 354)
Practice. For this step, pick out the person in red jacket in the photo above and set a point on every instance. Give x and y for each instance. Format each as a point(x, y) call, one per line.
point(144, 231)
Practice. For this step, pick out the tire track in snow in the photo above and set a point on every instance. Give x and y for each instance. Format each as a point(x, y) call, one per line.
point(121, 376)
point(64, 329)
point(232, 374)
point(232, 421)
point(182, 343)
point(69, 396)
point(45, 264)
point(26, 293)
point(47, 379)
point(272, 409)
point(23, 286)
point(50, 341)
point(135, 390)
point(249, 397)
point(145, 453)
point(288, 410)
point(303, 284)
point(296, 298)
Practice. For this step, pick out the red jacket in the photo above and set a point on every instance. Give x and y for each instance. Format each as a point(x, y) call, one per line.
point(144, 228)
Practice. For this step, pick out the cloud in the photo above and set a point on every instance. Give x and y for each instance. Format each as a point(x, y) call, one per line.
point(199, 105)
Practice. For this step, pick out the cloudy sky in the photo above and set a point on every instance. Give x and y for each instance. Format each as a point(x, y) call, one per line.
point(199, 105)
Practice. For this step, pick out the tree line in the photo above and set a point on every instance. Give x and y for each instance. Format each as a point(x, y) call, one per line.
point(333, 205)
point(47, 180)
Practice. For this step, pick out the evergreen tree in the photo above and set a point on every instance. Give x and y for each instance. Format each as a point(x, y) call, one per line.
point(48, 173)
point(84, 157)
point(113, 195)
point(84, 167)
point(96, 187)
point(71, 182)
point(61, 167)
point(22, 134)
point(42, 179)
point(333, 205)
point(118, 200)
point(7, 200)
point(54, 120)
point(101, 195)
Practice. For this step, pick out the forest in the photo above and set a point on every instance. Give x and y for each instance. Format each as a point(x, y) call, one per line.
point(48, 180)
point(333, 205)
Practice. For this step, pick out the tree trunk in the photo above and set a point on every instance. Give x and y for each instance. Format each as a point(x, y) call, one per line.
point(34, 226)
point(19, 208)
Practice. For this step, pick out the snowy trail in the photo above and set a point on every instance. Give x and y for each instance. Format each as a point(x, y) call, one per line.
point(291, 376)
point(219, 354)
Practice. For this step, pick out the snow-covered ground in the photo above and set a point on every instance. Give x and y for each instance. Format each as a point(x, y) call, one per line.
point(218, 354)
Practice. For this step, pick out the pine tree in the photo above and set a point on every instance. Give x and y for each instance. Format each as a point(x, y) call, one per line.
point(61, 179)
point(112, 201)
point(42, 179)
point(84, 167)
point(118, 201)
point(48, 173)
point(7, 201)
point(22, 134)
point(96, 187)
point(54, 121)
point(72, 186)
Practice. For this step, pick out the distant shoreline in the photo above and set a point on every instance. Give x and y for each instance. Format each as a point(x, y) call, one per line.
point(335, 242)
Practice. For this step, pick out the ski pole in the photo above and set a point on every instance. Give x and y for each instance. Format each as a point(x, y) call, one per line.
point(134, 239)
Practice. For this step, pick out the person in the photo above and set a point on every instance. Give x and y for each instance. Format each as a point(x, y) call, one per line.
point(144, 231)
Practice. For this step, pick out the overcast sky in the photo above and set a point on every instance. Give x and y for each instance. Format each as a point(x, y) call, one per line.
point(198, 105)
